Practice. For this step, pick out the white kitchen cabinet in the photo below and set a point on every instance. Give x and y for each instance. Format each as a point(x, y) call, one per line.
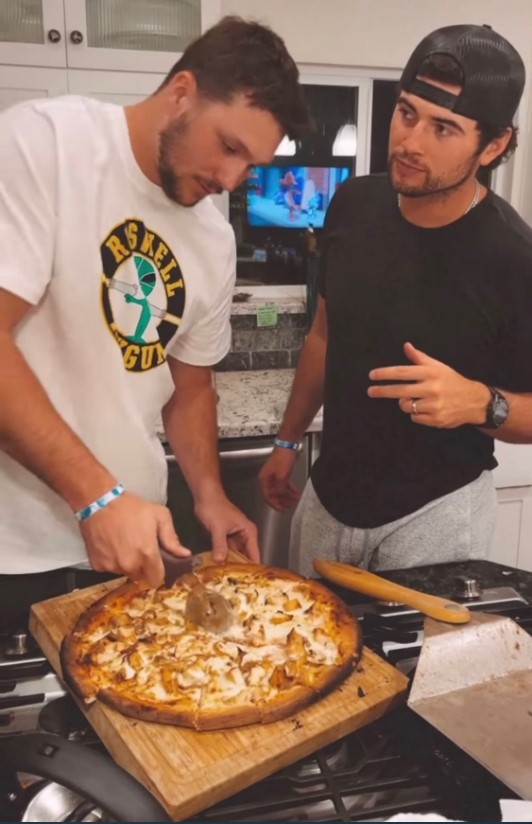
point(19, 83)
point(515, 464)
point(111, 35)
point(123, 88)
point(512, 542)
point(32, 33)
point(130, 35)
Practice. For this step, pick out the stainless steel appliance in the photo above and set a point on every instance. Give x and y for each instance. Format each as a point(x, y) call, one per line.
point(397, 764)
point(241, 460)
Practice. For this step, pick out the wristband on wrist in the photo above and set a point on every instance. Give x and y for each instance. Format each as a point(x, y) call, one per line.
point(100, 503)
point(287, 444)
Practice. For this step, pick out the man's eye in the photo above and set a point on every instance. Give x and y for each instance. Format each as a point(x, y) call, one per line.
point(228, 148)
point(406, 114)
point(442, 130)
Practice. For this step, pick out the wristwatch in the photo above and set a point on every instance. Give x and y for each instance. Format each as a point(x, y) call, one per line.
point(497, 411)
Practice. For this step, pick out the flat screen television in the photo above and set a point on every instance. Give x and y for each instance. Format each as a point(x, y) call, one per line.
point(291, 197)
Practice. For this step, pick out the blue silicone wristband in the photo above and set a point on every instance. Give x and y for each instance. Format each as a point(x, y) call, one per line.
point(100, 503)
point(287, 444)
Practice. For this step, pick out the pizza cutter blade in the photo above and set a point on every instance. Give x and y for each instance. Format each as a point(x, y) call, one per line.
point(205, 607)
point(209, 609)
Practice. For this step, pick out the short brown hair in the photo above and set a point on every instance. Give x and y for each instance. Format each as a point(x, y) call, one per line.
point(237, 56)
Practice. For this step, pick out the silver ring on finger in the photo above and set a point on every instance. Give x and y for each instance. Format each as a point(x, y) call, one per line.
point(414, 406)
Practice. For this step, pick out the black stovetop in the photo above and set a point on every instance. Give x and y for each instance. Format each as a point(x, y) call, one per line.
point(399, 763)
point(440, 579)
point(396, 764)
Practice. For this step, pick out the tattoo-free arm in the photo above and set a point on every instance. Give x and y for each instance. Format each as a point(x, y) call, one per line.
point(306, 397)
point(190, 423)
point(31, 431)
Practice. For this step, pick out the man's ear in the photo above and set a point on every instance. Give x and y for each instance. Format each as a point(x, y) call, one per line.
point(495, 147)
point(182, 91)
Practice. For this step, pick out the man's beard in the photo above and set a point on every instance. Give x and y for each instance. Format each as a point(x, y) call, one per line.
point(170, 141)
point(433, 185)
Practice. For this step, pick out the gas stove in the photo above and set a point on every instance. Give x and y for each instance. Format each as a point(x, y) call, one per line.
point(27, 682)
point(396, 764)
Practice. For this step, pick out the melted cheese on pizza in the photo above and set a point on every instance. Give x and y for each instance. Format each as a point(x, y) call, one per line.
point(147, 649)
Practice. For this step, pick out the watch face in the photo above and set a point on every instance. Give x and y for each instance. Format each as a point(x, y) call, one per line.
point(499, 410)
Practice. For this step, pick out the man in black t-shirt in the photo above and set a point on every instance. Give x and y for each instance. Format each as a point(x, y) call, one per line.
point(421, 349)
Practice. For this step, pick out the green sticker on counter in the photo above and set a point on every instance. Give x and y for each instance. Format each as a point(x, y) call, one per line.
point(267, 315)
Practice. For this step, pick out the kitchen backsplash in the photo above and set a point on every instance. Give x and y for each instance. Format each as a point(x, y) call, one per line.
point(265, 347)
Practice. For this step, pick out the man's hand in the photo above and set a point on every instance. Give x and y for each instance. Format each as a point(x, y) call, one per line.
point(433, 394)
point(229, 528)
point(125, 538)
point(278, 490)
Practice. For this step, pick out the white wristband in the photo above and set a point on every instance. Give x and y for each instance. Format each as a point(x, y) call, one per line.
point(294, 445)
point(100, 503)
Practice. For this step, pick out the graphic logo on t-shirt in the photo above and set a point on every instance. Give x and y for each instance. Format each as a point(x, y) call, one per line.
point(143, 293)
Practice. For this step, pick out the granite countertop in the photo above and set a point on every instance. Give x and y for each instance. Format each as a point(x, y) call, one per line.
point(251, 403)
point(286, 304)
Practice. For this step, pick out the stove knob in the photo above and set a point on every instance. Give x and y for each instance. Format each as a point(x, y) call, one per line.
point(467, 587)
point(18, 644)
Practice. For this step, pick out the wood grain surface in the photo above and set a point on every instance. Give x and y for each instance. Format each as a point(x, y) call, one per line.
point(189, 771)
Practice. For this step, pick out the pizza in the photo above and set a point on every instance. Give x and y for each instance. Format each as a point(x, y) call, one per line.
point(289, 640)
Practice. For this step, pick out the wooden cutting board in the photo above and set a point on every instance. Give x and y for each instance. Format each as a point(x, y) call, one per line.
point(189, 771)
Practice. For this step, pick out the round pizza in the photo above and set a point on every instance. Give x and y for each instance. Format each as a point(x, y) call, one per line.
point(224, 646)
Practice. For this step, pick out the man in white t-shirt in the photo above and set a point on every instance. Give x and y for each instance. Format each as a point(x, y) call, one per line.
point(116, 277)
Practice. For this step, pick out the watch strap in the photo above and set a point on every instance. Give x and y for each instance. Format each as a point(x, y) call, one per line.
point(493, 416)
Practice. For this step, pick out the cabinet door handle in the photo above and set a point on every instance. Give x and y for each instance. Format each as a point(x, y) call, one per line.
point(54, 36)
point(76, 37)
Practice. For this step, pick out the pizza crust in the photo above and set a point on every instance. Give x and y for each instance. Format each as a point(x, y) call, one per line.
point(75, 676)
point(292, 641)
point(288, 703)
point(181, 713)
point(221, 717)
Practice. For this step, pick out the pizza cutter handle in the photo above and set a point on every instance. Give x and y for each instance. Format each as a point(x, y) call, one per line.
point(360, 580)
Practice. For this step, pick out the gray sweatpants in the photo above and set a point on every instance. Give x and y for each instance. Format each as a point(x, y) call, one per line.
point(456, 527)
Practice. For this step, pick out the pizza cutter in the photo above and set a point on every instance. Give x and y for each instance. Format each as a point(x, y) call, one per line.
point(205, 607)
point(175, 567)
point(209, 609)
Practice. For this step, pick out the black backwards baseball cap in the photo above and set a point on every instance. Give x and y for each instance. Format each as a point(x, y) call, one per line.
point(493, 73)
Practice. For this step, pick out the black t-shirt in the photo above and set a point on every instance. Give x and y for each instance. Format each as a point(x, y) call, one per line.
point(462, 294)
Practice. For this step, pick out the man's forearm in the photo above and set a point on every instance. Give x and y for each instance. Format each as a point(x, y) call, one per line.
point(190, 424)
point(34, 434)
point(306, 395)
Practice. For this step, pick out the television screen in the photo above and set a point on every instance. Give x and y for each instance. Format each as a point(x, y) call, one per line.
point(292, 197)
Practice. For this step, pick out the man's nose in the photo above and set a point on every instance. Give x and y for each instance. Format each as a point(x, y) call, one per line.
point(233, 176)
point(413, 141)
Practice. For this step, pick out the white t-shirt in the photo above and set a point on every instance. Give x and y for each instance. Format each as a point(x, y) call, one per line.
point(118, 276)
